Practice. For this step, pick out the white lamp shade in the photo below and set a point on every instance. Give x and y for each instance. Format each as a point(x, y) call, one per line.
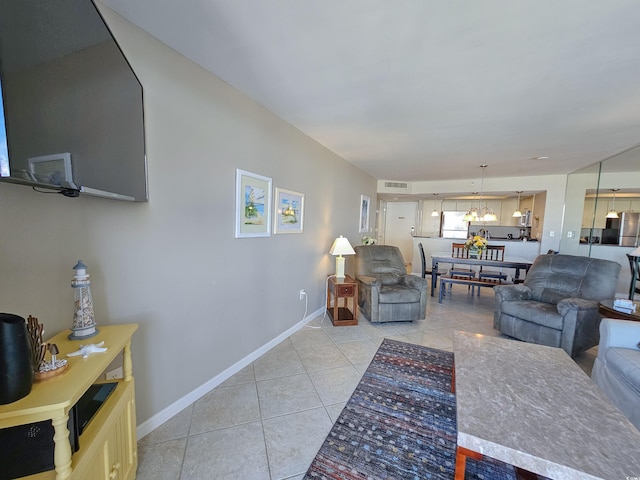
point(471, 215)
point(612, 214)
point(517, 214)
point(341, 246)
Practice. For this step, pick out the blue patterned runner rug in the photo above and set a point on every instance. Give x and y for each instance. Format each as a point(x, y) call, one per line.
point(400, 423)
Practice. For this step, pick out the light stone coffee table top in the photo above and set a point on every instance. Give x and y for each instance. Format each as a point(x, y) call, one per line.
point(532, 406)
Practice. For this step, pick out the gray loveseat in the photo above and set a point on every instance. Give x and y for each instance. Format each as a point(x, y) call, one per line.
point(557, 305)
point(386, 293)
point(617, 367)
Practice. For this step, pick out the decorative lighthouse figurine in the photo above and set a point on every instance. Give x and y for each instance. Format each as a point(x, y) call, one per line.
point(84, 323)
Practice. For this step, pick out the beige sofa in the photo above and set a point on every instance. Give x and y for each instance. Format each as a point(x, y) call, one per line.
point(617, 367)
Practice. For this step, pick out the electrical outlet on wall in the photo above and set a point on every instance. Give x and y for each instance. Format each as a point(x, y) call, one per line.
point(302, 293)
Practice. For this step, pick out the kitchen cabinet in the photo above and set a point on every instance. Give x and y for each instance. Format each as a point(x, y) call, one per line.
point(526, 203)
point(604, 205)
point(463, 206)
point(430, 226)
point(458, 205)
point(587, 212)
point(600, 213)
point(622, 205)
point(108, 446)
point(503, 209)
point(507, 219)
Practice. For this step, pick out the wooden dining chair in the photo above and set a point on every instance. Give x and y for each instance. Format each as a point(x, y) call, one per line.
point(424, 271)
point(458, 250)
point(493, 252)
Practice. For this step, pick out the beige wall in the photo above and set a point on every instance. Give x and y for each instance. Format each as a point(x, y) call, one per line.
point(204, 300)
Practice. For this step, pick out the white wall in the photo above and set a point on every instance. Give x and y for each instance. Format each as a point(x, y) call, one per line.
point(204, 300)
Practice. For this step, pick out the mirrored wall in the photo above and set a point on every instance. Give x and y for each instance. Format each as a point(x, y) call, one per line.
point(603, 204)
point(602, 210)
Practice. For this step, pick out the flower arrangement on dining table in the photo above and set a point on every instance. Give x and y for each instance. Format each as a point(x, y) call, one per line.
point(475, 244)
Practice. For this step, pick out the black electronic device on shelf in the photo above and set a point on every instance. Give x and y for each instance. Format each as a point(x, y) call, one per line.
point(90, 403)
point(28, 449)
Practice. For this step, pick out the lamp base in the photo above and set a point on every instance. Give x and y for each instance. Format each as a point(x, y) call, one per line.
point(340, 267)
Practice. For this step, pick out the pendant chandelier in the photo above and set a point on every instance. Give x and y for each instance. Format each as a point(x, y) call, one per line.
point(612, 213)
point(435, 212)
point(472, 213)
point(518, 213)
point(486, 214)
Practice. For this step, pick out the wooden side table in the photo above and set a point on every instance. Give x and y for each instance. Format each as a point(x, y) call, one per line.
point(605, 307)
point(345, 289)
point(108, 446)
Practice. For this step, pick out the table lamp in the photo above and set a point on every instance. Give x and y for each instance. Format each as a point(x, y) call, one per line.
point(341, 246)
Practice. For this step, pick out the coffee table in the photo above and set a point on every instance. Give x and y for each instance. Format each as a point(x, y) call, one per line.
point(533, 407)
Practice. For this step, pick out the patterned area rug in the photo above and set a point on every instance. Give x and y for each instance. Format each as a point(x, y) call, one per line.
point(400, 423)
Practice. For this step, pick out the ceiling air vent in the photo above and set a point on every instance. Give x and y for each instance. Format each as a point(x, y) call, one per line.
point(395, 185)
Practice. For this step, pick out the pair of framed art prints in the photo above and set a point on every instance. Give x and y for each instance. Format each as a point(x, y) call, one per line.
point(254, 208)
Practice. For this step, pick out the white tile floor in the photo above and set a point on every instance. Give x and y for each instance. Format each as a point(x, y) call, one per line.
point(269, 420)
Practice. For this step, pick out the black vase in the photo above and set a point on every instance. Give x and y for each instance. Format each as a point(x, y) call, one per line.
point(16, 369)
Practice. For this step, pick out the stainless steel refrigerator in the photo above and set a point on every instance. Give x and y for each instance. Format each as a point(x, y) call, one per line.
point(622, 231)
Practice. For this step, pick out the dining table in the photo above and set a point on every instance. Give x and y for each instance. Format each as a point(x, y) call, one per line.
point(516, 263)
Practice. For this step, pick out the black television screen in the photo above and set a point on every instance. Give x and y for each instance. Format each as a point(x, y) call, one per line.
point(73, 106)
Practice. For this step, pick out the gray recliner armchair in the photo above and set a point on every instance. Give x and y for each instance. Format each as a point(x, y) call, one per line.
point(386, 293)
point(557, 305)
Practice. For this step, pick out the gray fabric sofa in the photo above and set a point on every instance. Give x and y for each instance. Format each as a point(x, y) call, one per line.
point(386, 293)
point(616, 370)
point(557, 305)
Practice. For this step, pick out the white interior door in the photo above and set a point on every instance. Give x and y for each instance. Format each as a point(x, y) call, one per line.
point(400, 227)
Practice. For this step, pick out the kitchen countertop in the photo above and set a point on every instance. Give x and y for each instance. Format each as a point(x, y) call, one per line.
point(491, 239)
point(505, 239)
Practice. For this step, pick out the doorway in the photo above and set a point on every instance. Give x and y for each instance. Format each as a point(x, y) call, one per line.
point(400, 227)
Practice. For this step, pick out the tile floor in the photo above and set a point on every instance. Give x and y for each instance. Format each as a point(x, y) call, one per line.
point(269, 420)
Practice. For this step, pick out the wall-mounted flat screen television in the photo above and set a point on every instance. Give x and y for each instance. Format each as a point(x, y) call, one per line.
point(72, 105)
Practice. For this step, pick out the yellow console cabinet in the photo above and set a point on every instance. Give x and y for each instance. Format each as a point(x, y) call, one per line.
point(108, 446)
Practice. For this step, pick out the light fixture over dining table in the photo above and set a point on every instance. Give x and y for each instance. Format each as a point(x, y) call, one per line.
point(435, 212)
point(612, 213)
point(518, 212)
point(486, 214)
point(472, 213)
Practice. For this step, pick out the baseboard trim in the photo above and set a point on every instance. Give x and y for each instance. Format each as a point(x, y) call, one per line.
point(176, 407)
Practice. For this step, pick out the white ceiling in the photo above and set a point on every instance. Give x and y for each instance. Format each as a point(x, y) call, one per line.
point(426, 89)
